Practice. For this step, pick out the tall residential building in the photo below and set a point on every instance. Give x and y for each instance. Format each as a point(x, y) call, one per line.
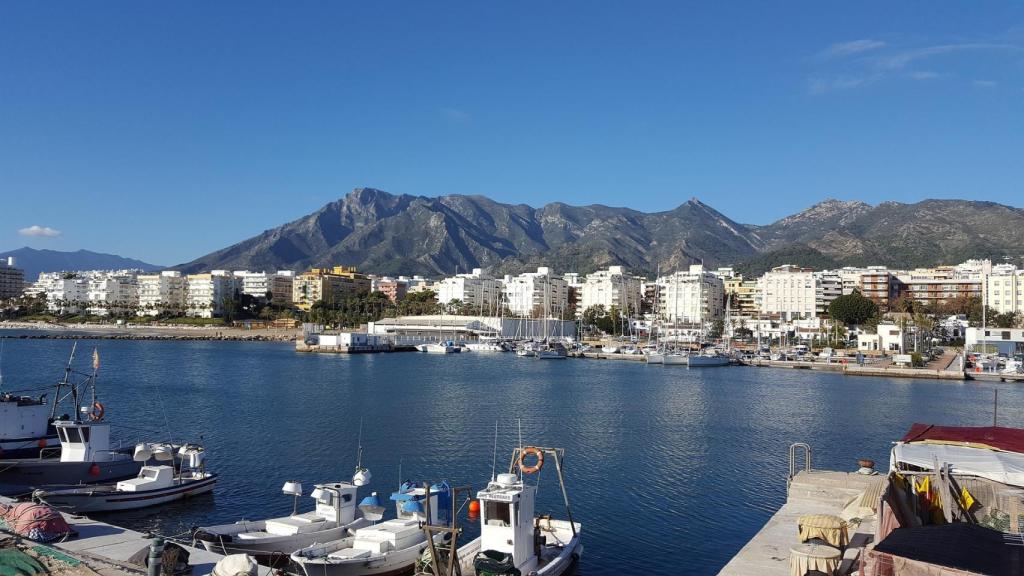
point(693, 297)
point(395, 289)
point(611, 287)
point(476, 289)
point(827, 287)
point(743, 296)
point(1004, 291)
point(205, 293)
point(880, 285)
point(112, 293)
point(789, 292)
point(537, 294)
point(65, 293)
point(163, 292)
point(327, 285)
point(12, 279)
point(270, 287)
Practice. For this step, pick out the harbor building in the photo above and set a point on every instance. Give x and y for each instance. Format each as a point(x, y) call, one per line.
point(12, 279)
point(161, 293)
point(476, 290)
point(611, 287)
point(789, 292)
point(205, 293)
point(537, 294)
point(694, 297)
point(412, 330)
point(270, 287)
point(888, 338)
point(1006, 341)
point(327, 285)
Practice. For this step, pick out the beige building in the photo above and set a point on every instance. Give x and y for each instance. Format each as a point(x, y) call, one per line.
point(611, 287)
point(205, 293)
point(327, 285)
point(693, 297)
point(163, 292)
point(788, 292)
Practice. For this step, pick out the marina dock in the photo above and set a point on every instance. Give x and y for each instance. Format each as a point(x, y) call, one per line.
point(107, 549)
point(844, 494)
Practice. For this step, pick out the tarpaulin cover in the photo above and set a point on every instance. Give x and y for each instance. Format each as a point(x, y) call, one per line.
point(992, 437)
point(1003, 467)
point(34, 521)
point(959, 545)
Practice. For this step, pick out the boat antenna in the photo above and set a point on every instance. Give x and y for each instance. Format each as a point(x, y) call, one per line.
point(66, 382)
point(359, 450)
point(2, 338)
point(400, 473)
point(494, 458)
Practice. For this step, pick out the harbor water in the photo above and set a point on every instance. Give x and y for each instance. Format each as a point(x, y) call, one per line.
point(670, 470)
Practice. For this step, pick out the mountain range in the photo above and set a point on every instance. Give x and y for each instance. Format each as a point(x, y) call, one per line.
point(34, 261)
point(404, 234)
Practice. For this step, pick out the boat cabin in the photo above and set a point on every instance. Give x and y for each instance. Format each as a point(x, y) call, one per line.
point(22, 417)
point(410, 503)
point(506, 520)
point(149, 478)
point(84, 442)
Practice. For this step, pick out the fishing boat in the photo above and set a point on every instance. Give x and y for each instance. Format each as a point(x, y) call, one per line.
point(390, 547)
point(438, 348)
point(25, 426)
point(86, 454)
point(270, 541)
point(485, 346)
point(513, 540)
point(154, 485)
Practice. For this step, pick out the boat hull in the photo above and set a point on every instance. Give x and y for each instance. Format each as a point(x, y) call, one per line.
point(394, 563)
point(84, 500)
point(16, 448)
point(655, 358)
point(22, 476)
point(707, 361)
point(270, 551)
point(674, 360)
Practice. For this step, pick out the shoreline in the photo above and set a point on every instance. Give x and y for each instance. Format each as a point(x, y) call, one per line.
point(51, 331)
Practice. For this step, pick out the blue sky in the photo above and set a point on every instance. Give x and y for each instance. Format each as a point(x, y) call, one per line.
point(163, 131)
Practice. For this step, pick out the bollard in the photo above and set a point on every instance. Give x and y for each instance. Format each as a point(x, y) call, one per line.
point(156, 553)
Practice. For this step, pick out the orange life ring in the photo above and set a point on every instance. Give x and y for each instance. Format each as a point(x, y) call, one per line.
point(97, 412)
point(537, 466)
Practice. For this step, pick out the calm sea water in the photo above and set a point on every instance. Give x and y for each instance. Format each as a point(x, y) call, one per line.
point(670, 470)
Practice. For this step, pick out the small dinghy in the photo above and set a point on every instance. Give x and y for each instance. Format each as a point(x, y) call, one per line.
point(156, 484)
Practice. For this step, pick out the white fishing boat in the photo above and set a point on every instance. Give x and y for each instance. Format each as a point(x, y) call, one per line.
point(154, 485)
point(391, 547)
point(513, 540)
point(26, 422)
point(270, 541)
point(438, 348)
point(484, 346)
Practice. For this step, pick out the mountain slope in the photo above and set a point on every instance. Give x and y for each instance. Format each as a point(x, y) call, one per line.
point(34, 261)
point(392, 234)
point(403, 234)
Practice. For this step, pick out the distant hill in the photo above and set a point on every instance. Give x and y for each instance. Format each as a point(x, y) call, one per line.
point(402, 234)
point(34, 261)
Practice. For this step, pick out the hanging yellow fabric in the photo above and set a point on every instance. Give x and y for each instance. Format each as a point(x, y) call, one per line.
point(966, 498)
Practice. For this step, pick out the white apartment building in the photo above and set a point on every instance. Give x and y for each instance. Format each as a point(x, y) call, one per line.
point(205, 293)
point(475, 289)
point(64, 295)
point(693, 297)
point(1004, 291)
point(12, 279)
point(611, 287)
point(789, 292)
point(278, 285)
point(828, 286)
point(163, 292)
point(536, 294)
point(112, 293)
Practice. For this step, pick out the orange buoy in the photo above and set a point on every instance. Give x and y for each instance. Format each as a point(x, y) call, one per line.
point(94, 470)
point(42, 442)
point(474, 507)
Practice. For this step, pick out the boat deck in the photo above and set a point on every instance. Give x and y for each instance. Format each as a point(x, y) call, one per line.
point(814, 492)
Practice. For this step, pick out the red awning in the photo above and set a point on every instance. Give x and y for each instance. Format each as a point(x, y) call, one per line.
point(994, 437)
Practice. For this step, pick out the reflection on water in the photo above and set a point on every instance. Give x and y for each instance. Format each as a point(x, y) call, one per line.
point(666, 466)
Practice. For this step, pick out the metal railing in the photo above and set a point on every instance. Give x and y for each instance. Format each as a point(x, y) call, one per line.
point(793, 449)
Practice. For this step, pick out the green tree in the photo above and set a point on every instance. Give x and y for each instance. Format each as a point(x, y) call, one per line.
point(853, 308)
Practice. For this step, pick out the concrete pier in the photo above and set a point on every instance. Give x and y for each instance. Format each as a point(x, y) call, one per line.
point(845, 494)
